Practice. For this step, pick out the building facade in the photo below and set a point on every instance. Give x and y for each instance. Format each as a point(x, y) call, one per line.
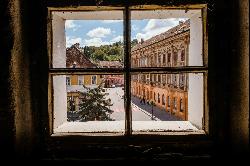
point(168, 49)
point(75, 58)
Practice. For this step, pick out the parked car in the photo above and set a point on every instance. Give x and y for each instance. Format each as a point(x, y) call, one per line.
point(113, 86)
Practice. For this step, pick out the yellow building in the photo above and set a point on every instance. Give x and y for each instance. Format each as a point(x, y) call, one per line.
point(87, 80)
point(74, 83)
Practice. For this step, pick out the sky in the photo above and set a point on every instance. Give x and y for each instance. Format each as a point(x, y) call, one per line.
point(104, 32)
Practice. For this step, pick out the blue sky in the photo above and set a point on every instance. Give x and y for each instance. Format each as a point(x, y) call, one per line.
point(103, 32)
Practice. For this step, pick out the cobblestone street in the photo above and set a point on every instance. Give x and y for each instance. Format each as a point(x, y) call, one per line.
point(159, 114)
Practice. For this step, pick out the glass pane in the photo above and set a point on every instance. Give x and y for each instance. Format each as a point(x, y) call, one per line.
point(166, 38)
point(91, 39)
point(167, 101)
point(85, 99)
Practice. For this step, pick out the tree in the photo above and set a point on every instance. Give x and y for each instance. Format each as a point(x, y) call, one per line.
point(99, 55)
point(95, 106)
point(134, 42)
point(88, 51)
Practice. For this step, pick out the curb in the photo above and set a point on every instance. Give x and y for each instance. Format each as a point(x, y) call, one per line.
point(145, 112)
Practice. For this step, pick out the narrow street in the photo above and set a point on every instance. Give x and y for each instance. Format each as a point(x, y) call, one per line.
point(159, 114)
point(140, 112)
point(115, 94)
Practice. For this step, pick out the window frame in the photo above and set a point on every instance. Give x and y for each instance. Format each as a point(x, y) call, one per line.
point(93, 76)
point(68, 80)
point(128, 69)
point(80, 78)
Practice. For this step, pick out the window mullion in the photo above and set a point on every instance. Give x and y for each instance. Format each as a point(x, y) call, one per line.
point(127, 46)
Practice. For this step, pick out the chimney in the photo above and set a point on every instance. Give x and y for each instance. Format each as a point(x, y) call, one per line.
point(142, 40)
point(181, 22)
point(77, 45)
point(74, 65)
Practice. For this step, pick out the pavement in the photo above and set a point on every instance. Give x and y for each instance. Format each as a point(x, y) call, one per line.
point(116, 96)
point(158, 113)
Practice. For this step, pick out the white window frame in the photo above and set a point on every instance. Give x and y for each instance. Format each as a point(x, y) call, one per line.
point(202, 69)
point(80, 79)
point(68, 80)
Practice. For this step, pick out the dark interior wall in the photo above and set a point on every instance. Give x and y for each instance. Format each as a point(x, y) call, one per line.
point(20, 82)
point(24, 88)
point(6, 114)
point(239, 78)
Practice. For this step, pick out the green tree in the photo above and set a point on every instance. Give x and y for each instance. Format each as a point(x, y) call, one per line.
point(95, 106)
point(112, 52)
point(134, 42)
point(98, 55)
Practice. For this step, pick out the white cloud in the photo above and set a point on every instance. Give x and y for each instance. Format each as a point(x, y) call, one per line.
point(134, 27)
point(149, 34)
point(117, 39)
point(111, 21)
point(157, 26)
point(70, 24)
point(72, 40)
point(95, 42)
point(99, 32)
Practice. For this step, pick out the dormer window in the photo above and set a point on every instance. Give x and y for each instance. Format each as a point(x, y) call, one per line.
point(74, 65)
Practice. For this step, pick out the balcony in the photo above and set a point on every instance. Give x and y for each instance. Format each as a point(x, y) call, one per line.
point(152, 84)
point(147, 82)
point(170, 85)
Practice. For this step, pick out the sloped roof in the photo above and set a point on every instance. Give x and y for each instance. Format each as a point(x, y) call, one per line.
point(110, 63)
point(75, 55)
point(169, 33)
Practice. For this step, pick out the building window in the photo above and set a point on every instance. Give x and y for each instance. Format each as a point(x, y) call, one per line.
point(159, 59)
point(175, 103)
point(147, 77)
point(169, 57)
point(182, 79)
point(175, 80)
point(181, 105)
point(169, 79)
point(164, 59)
point(169, 101)
point(175, 58)
point(163, 100)
point(159, 78)
point(154, 96)
point(68, 82)
point(93, 80)
point(159, 98)
point(80, 80)
point(183, 55)
point(155, 61)
point(164, 78)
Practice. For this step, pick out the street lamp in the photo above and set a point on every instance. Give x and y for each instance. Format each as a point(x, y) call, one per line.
point(152, 109)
